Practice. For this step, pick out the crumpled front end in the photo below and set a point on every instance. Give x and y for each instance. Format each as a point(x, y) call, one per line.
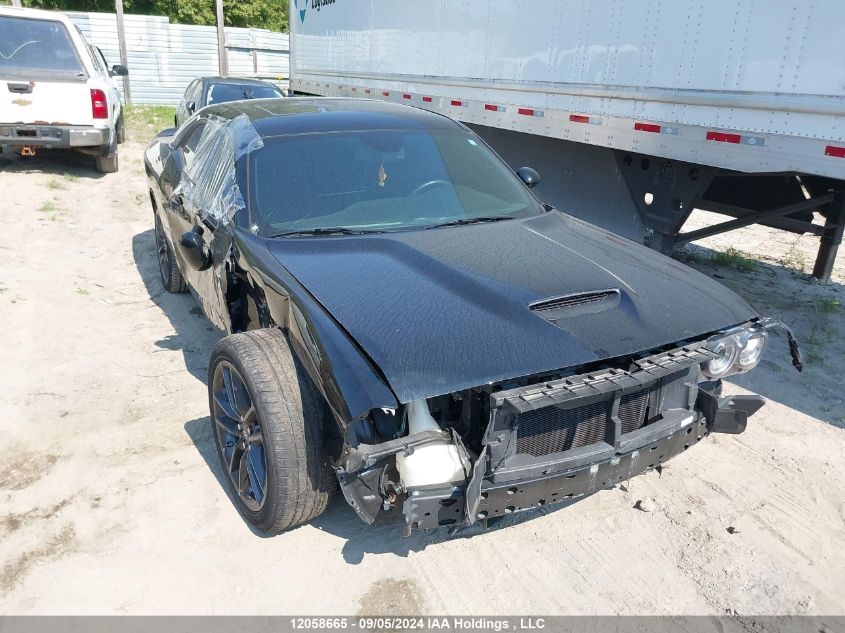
point(495, 450)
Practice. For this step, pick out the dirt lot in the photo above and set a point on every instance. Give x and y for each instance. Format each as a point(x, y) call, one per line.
point(111, 500)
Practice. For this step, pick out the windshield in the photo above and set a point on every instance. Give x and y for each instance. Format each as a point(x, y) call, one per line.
point(219, 93)
point(380, 180)
point(28, 45)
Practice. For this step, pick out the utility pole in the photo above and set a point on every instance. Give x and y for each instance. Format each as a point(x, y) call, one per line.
point(16, 3)
point(121, 42)
point(221, 41)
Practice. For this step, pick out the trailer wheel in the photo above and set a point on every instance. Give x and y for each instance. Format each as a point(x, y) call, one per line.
point(267, 420)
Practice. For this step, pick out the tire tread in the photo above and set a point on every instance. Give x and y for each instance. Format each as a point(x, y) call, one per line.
point(292, 414)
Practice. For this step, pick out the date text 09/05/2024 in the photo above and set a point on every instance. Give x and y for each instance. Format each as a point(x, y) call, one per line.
point(411, 623)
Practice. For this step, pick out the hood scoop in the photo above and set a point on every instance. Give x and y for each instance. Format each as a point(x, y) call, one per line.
point(576, 304)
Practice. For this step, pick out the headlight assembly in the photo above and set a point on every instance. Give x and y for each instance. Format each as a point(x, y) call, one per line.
point(736, 352)
point(753, 343)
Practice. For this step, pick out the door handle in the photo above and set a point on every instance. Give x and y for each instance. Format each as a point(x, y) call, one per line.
point(20, 88)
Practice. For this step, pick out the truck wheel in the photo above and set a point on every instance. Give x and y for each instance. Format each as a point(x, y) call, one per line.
point(171, 277)
point(120, 130)
point(267, 419)
point(107, 163)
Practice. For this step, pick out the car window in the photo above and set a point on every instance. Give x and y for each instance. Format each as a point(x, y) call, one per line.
point(380, 180)
point(189, 91)
point(189, 143)
point(96, 60)
point(28, 45)
point(102, 59)
point(220, 93)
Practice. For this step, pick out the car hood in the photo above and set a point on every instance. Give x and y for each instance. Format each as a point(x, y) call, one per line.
point(447, 309)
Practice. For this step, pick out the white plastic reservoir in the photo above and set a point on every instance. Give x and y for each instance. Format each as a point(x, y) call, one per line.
point(431, 464)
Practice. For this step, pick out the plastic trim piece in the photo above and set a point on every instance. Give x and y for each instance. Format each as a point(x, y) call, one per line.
point(647, 370)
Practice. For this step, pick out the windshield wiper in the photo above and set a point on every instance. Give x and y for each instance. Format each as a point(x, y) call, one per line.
point(464, 221)
point(324, 230)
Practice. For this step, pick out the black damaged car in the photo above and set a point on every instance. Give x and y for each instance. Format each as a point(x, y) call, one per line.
point(406, 319)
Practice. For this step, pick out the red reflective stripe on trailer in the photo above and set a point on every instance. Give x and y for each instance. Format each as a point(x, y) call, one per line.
point(723, 137)
point(406, 96)
point(647, 127)
point(354, 89)
point(427, 99)
point(368, 91)
point(491, 107)
point(385, 93)
point(579, 118)
point(457, 103)
point(525, 111)
point(832, 150)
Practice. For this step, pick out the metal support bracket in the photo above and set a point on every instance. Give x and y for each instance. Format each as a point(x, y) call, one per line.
point(663, 191)
point(830, 239)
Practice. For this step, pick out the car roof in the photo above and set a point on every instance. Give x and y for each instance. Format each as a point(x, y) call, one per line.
point(239, 81)
point(302, 115)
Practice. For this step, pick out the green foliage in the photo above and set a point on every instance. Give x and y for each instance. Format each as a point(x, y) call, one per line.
point(265, 14)
point(145, 121)
point(732, 258)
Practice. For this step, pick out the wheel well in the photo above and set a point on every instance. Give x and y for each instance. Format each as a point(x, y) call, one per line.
point(246, 303)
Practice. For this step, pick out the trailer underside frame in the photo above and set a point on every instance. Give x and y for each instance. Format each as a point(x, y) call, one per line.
point(665, 192)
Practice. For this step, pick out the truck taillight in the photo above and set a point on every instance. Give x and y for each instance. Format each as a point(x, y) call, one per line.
point(99, 106)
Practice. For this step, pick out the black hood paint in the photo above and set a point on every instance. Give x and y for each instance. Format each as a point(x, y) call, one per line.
point(447, 309)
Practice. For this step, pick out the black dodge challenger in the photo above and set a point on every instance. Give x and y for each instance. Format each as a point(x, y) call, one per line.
point(406, 319)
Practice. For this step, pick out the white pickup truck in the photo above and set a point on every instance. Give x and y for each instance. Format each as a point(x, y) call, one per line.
point(56, 90)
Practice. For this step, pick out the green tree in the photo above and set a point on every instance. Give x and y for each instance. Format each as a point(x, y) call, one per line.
point(265, 14)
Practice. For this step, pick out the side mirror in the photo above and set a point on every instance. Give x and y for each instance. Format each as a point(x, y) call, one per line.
point(530, 177)
point(195, 250)
point(120, 70)
point(190, 106)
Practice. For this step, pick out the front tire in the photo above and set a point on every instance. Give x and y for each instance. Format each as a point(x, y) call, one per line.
point(267, 420)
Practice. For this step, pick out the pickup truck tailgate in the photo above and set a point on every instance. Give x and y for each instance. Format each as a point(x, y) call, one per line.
point(45, 102)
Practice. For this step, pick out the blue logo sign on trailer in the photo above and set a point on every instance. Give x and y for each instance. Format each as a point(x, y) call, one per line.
point(315, 4)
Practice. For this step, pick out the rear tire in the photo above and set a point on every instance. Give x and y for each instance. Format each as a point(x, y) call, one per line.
point(120, 130)
point(107, 163)
point(275, 399)
point(171, 276)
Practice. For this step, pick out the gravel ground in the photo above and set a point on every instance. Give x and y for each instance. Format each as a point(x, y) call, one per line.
point(111, 500)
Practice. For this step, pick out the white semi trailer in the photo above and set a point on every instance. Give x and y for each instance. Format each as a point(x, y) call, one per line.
point(633, 111)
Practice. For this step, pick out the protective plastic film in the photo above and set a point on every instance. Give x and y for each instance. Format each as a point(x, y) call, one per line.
point(208, 180)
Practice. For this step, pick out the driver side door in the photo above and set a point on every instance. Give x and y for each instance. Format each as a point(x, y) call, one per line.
point(202, 240)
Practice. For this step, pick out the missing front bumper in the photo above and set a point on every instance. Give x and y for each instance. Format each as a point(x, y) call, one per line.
point(445, 507)
point(571, 478)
